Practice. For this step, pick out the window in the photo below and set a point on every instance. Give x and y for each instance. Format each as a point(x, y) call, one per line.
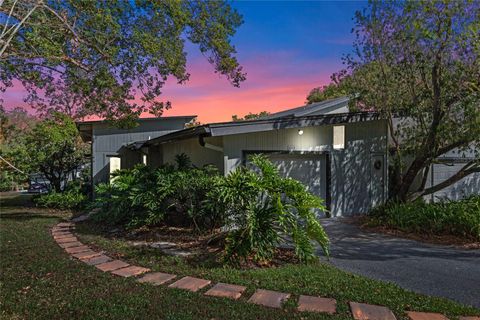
point(115, 164)
point(144, 159)
point(338, 137)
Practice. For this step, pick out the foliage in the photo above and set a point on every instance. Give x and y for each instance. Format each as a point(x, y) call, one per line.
point(110, 58)
point(72, 199)
point(15, 125)
point(460, 218)
point(330, 91)
point(143, 196)
point(263, 208)
point(251, 116)
point(54, 148)
point(418, 65)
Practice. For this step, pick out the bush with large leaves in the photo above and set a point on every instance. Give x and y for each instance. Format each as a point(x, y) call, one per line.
point(265, 210)
point(144, 196)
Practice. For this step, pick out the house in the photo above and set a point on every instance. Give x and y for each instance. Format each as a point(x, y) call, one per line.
point(340, 156)
point(114, 148)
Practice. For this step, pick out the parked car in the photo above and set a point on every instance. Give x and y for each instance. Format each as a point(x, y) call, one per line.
point(37, 183)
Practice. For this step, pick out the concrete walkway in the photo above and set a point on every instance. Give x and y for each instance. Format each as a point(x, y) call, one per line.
point(424, 268)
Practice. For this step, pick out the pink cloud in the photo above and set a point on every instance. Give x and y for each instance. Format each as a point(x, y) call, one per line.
point(274, 83)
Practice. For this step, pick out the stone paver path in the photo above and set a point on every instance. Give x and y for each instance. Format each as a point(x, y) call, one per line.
point(98, 260)
point(268, 298)
point(225, 290)
point(363, 311)
point(62, 234)
point(112, 265)
point(157, 278)
point(130, 271)
point(317, 304)
point(190, 284)
point(425, 316)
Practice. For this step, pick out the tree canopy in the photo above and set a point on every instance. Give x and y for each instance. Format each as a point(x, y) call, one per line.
point(418, 65)
point(110, 58)
point(330, 91)
point(250, 116)
point(54, 148)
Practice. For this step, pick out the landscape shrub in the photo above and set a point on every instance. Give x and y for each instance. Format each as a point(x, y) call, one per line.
point(72, 198)
point(264, 210)
point(257, 209)
point(142, 196)
point(458, 218)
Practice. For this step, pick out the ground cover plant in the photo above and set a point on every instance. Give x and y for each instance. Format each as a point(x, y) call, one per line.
point(457, 218)
point(41, 282)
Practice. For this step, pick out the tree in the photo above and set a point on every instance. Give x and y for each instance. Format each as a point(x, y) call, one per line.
point(14, 126)
point(418, 65)
point(55, 149)
point(110, 58)
point(330, 91)
point(250, 116)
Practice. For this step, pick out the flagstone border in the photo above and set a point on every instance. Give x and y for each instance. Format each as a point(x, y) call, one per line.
point(63, 235)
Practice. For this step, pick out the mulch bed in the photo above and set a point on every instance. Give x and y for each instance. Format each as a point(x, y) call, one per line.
point(206, 246)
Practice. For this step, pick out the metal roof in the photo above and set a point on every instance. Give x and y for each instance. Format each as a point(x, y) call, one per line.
point(249, 126)
point(324, 107)
point(85, 127)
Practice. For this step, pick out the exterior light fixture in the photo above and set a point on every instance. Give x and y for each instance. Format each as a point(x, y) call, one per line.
point(300, 132)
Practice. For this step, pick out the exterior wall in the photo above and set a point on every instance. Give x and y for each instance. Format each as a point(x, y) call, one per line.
point(313, 139)
point(355, 185)
point(107, 141)
point(200, 156)
point(461, 189)
point(130, 158)
point(154, 156)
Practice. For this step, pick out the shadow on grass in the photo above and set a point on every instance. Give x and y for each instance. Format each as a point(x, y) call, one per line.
point(16, 199)
point(28, 216)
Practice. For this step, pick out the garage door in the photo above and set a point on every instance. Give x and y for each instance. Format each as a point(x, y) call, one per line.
point(308, 169)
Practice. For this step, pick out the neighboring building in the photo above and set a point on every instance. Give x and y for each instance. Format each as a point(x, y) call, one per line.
point(110, 145)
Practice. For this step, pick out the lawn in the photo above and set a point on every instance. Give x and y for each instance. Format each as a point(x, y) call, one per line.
point(39, 280)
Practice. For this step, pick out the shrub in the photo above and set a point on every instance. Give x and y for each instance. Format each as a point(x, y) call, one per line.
point(263, 209)
point(459, 218)
point(143, 196)
point(72, 198)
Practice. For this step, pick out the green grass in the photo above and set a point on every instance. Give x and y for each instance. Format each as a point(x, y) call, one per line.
point(38, 280)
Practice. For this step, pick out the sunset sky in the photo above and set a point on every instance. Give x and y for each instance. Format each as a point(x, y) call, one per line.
point(286, 48)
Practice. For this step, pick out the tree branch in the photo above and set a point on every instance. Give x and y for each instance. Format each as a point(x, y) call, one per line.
point(469, 168)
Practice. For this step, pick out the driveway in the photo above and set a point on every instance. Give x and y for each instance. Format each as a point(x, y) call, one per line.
point(435, 270)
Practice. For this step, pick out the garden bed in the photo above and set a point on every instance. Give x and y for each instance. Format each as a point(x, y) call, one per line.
point(196, 249)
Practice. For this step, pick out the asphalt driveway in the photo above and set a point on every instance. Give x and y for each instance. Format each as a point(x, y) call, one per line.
point(442, 271)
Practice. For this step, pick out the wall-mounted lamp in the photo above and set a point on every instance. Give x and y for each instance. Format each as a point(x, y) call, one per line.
point(300, 132)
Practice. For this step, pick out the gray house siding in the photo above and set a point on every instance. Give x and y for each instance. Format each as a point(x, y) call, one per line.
point(357, 185)
point(200, 156)
point(346, 178)
point(108, 141)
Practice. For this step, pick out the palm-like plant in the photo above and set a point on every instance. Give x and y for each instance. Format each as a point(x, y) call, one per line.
point(265, 210)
